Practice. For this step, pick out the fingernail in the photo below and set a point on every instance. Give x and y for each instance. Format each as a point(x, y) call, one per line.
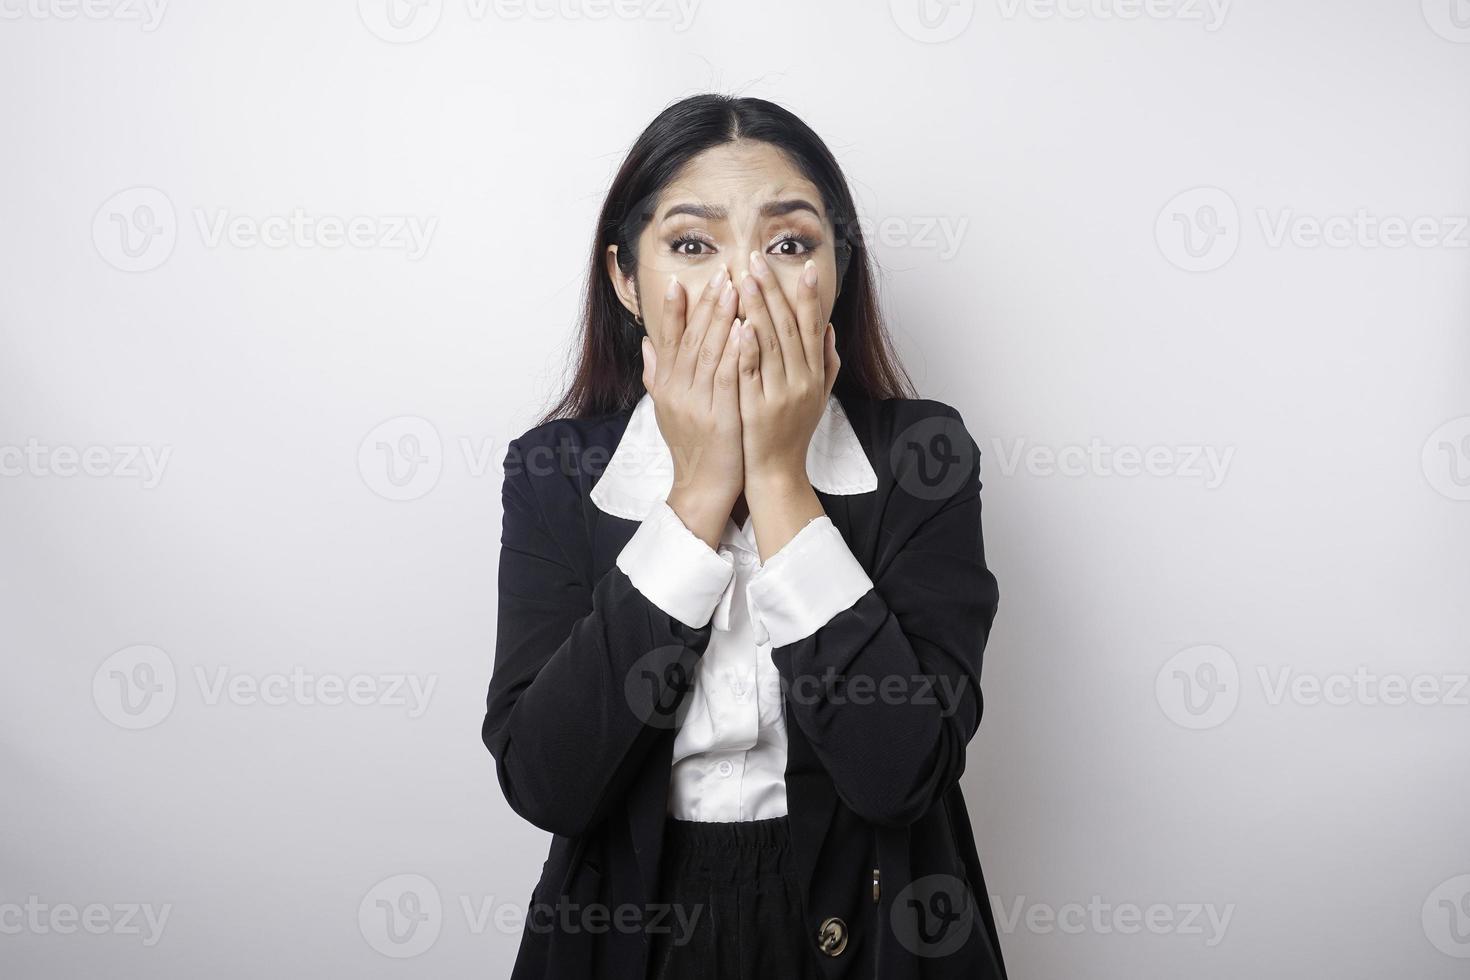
point(719, 274)
point(746, 331)
point(749, 285)
point(809, 273)
point(735, 329)
point(672, 289)
point(757, 264)
point(727, 296)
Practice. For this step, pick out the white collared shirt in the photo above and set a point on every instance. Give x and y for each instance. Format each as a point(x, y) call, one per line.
point(729, 758)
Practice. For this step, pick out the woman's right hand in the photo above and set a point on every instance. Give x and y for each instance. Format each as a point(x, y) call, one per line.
point(691, 370)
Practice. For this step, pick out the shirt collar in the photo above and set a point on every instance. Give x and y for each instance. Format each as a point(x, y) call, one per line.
point(641, 470)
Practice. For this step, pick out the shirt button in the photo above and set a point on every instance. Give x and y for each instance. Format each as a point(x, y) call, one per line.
point(724, 768)
point(744, 558)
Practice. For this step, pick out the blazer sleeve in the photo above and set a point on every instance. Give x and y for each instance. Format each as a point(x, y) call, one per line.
point(586, 676)
point(887, 688)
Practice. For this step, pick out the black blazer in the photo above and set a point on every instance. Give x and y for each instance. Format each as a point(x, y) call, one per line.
point(588, 674)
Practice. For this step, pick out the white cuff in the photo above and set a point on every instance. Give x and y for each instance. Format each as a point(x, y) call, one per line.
point(673, 567)
point(801, 587)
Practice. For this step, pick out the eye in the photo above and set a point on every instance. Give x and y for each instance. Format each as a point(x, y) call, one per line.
point(691, 245)
point(793, 245)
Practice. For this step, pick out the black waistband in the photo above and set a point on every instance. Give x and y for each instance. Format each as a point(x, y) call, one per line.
point(712, 835)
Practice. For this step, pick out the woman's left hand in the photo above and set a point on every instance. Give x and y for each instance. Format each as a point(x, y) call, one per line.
point(788, 364)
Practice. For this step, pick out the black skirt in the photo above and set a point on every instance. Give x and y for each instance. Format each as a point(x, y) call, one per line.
point(736, 904)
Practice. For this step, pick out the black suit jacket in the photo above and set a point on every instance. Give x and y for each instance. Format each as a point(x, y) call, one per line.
point(588, 674)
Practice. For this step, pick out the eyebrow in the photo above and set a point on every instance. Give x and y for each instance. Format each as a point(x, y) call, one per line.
point(771, 209)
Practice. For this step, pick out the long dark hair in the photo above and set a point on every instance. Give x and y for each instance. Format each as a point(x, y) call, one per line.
point(608, 374)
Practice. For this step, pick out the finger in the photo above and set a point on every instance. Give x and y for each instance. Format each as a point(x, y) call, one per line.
point(650, 364)
point(751, 391)
point(716, 339)
point(768, 345)
point(782, 318)
point(808, 315)
point(831, 362)
point(726, 396)
point(718, 291)
point(675, 303)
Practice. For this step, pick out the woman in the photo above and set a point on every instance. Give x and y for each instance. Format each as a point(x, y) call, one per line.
point(743, 595)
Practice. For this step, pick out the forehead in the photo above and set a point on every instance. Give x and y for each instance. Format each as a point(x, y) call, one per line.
point(737, 176)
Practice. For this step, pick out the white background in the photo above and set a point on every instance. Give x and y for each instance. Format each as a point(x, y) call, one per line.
point(1020, 167)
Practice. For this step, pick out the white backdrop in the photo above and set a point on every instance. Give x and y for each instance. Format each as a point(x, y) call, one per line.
point(280, 280)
